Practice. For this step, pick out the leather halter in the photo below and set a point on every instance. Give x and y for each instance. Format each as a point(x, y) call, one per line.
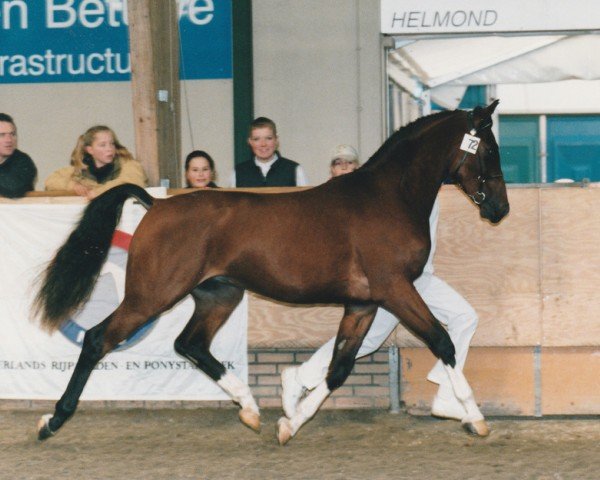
point(478, 197)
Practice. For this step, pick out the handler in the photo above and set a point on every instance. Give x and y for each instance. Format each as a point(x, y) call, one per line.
point(445, 303)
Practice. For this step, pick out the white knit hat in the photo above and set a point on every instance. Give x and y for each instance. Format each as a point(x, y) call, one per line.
point(345, 152)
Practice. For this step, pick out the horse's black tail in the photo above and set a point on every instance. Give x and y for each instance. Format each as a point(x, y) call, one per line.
point(69, 279)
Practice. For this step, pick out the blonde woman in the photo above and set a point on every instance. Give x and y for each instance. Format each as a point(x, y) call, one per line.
point(98, 163)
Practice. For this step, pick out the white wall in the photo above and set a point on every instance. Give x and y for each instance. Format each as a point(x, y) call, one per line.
point(51, 116)
point(207, 107)
point(318, 75)
point(570, 96)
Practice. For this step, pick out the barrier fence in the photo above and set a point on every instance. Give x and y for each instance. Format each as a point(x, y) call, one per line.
point(533, 279)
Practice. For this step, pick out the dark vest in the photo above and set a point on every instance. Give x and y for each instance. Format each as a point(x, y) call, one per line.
point(281, 174)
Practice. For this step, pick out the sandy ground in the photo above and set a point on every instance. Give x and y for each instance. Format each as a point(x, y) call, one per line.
point(357, 444)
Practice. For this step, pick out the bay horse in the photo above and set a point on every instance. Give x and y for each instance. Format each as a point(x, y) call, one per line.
point(359, 240)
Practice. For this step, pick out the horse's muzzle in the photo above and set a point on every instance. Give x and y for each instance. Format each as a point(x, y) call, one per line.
point(494, 212)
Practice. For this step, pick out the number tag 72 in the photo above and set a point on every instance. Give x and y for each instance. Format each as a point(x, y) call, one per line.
point(470, 143)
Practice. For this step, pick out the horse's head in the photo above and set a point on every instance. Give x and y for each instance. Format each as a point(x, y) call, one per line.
point(477, 169)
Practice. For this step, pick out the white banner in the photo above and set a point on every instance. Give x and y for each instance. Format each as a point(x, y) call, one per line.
point(409, 17)
point(35, 365)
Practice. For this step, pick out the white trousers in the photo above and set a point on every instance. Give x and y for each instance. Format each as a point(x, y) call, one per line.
point(445, 303)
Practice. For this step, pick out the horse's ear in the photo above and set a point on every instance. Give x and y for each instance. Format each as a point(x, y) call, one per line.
point(492, 106)
point(482, 116)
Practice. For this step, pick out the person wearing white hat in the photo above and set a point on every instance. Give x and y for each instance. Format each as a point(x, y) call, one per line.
point(446, 304)
point(344, 159)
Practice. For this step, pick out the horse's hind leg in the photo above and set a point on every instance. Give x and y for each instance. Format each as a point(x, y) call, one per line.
point(351, 332)
point(98, 341)
point(215, 300)
point(414, 314)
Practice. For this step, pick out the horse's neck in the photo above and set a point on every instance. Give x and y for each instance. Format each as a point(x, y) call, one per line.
point(419, 181)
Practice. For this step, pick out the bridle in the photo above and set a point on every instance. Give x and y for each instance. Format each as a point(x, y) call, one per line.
point(479, 196)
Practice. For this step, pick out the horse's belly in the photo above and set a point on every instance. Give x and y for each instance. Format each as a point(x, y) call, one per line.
point(302, 290)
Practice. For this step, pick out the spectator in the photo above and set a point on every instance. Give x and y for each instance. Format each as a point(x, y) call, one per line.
point(199, 170)
point(344, 159)
point(17, 170)
point(266, 168)
point(98, 163)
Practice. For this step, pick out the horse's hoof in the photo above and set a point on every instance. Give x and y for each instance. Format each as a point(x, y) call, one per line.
point(478, 428)
point(250, 418)
point(43, 427)
point(283, 431)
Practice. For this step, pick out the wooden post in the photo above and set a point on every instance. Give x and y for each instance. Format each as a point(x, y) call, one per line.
point(154, 47)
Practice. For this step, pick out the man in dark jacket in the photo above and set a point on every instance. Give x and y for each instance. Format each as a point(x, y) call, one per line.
point(17, 170)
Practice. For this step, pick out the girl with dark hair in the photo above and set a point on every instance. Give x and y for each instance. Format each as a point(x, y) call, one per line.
point(199, 170)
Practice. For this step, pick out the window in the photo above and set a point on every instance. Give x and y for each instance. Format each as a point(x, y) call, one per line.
point(519, 142)
point(545, 148)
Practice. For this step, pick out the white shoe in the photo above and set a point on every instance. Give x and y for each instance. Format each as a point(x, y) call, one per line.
point(447, 408)
point(291, 391)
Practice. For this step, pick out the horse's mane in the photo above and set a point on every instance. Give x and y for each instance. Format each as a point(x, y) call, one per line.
point(405, 134)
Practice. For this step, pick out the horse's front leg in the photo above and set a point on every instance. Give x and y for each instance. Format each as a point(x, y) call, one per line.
point(473, 422)
point(353, 328)
point(414, 314)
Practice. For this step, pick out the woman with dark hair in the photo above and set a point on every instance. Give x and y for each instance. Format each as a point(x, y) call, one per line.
point(199, 170)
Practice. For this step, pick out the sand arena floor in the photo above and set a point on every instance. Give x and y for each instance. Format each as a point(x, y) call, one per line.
point(359, 444)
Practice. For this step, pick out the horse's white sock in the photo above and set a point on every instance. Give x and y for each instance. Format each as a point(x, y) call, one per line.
point(238, 391)
point(309, 406)
point(464, 394)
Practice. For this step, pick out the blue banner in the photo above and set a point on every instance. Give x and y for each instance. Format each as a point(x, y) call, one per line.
point(46, 41)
